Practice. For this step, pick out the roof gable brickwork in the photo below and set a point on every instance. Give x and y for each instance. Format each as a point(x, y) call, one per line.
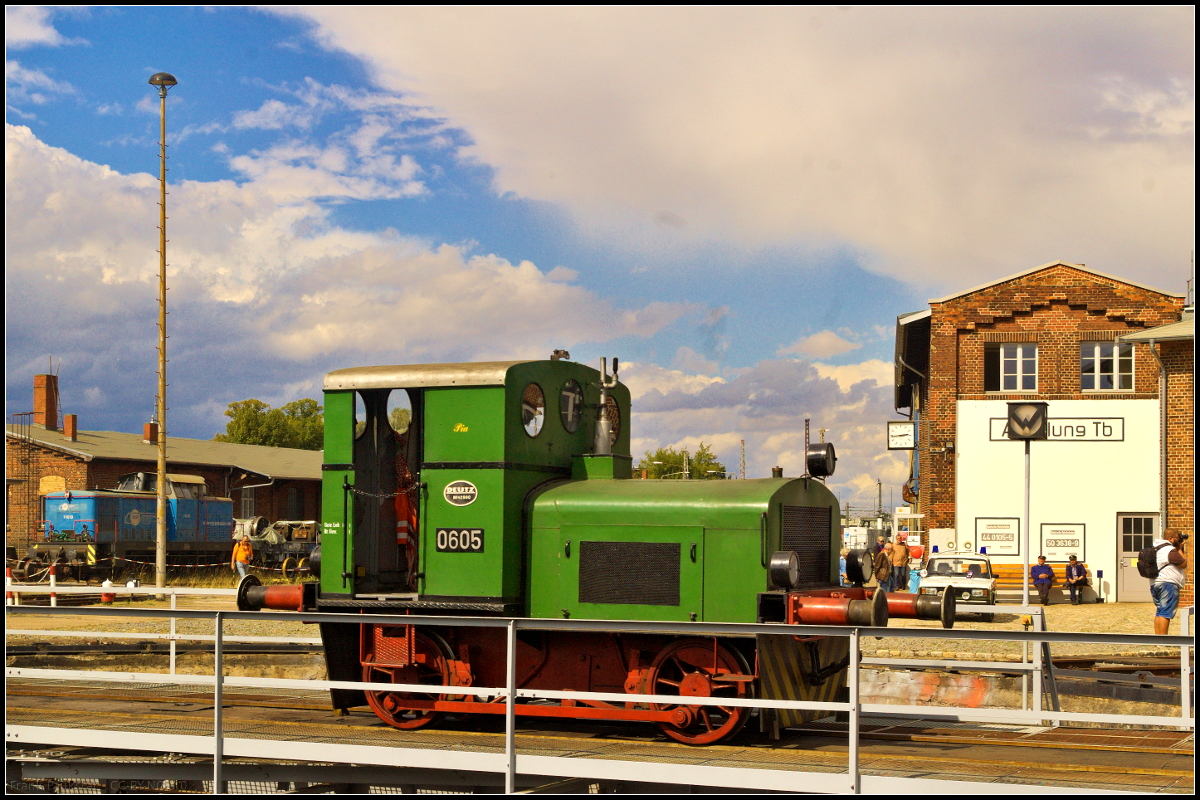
point(1102, 295)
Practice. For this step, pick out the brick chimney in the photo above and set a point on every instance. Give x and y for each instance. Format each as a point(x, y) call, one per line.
point(150, 433)
point(71, 427)
point(45, 401)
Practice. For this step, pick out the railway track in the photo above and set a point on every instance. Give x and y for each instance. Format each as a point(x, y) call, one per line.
point(158, 647)
point(189, 699)
point(1165, 666)
point(931, 750)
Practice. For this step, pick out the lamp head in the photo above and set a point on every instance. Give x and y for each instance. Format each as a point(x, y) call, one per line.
point(164, 81)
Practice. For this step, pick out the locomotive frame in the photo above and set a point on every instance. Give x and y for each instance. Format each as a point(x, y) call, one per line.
point(509, 494)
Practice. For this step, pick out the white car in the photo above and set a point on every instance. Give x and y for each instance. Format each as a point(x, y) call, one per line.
point(971, 578)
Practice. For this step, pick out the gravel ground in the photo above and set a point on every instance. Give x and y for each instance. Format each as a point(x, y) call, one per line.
point(1064, 617)
point(1094, 618)
point(68, 622)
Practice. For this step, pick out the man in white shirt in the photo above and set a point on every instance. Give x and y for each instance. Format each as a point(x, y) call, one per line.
point(1165, 589)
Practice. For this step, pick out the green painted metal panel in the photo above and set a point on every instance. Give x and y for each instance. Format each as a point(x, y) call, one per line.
point(737, 538)
point(464, 574)
point(732, 575)
point(567, 560)
point(333, 526)
point(338, 449)
point(464, 424)
point(554, 444)
point(339, 427)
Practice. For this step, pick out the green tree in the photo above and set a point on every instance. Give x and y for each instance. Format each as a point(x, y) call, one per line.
point(666, 462)
point(299, 424)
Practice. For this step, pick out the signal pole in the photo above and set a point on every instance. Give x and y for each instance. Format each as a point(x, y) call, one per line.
point(164, 81)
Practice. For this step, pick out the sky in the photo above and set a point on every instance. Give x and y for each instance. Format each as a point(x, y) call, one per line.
point(735, 202)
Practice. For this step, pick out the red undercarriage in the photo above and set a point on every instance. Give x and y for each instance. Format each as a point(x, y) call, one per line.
point(596, 662)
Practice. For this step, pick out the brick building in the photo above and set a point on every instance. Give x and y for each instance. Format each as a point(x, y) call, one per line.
point(1058, 333)
point(272, 482)
point(1175, 346)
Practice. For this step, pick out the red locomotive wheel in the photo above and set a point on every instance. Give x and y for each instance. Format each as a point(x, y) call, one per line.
point(687, 668)
point(435, 671)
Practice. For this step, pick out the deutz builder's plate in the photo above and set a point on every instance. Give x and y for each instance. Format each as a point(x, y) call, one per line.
point(460, 493)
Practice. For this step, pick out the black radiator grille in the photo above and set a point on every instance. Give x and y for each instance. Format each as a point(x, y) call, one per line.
point(807, 530)
point(638, 573)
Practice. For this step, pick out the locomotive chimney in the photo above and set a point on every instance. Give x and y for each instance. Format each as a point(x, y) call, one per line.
point(150, 433)
point(776, 472)
point(71, 427)
point(45, 401)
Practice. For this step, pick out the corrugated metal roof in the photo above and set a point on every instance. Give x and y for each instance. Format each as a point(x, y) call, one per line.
point(275, 462)
point(1184, 329)
point(420, 376)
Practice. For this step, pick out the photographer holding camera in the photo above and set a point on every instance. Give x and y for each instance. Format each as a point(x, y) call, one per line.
point(1165, 588)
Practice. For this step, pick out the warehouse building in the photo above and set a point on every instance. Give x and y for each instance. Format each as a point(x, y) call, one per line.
point(1117, 466)
point(41, 456)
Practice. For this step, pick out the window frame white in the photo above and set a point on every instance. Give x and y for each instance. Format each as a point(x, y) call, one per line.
point(1097, 375)
point(247, 503)
point(1000, 351)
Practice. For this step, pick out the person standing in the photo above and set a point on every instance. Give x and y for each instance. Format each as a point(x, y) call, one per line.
point(899, 567)
point(843, 578)
point(243, 553)
point(1042, 575)
point(1165, 588)
point(883, 567)
point(1076, 579)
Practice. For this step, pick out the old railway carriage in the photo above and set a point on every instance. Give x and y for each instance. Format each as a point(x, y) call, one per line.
point(505, 489)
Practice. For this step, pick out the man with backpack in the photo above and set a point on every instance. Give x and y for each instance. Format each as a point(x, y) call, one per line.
point(1163, 563)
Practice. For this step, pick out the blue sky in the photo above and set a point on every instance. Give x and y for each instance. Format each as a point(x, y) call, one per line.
point(714, 195)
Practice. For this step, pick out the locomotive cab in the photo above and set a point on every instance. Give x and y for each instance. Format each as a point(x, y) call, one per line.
point(427, 512)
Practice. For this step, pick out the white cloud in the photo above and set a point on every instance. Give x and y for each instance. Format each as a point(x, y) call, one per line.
point(274, 115)
point(766, 406)
point(31, 85)
point(258, 267)
point(945, 144)
point(27, 26)
point(689, 360)
point(642, 378)
point(821, 345)
point(846, 375)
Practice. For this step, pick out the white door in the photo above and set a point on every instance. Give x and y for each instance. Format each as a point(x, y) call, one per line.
point(1134, 532)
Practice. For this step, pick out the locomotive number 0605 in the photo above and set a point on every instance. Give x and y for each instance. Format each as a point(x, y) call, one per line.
point(460, 540)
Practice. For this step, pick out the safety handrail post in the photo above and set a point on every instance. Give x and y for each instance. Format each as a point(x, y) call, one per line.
point(855, 716)
point(1038, 664)
point(510, 711)
point(1185, 668)
point(218, 734)
point(173, 632)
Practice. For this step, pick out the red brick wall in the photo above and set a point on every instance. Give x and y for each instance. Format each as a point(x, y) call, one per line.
point(1057, 307)
point(29, 463)
point(1179, 360)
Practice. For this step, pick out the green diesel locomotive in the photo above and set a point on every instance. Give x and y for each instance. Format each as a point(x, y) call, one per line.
point(506, 489)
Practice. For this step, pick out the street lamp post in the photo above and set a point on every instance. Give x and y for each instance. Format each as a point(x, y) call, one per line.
point(1027, 421)
point(164, 81)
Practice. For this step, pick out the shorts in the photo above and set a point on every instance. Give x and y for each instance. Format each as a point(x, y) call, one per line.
point(1166, 599)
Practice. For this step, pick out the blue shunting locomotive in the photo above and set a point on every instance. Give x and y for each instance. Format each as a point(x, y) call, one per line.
point(89, 530)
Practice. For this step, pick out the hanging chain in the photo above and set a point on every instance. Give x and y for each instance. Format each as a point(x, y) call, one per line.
point(405, 483)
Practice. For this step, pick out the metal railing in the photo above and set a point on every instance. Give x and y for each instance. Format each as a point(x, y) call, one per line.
point(852, 781)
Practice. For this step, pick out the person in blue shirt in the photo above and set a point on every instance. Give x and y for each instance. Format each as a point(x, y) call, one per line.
point(1076, 579)
point(844, 578)
point(1042, 575)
